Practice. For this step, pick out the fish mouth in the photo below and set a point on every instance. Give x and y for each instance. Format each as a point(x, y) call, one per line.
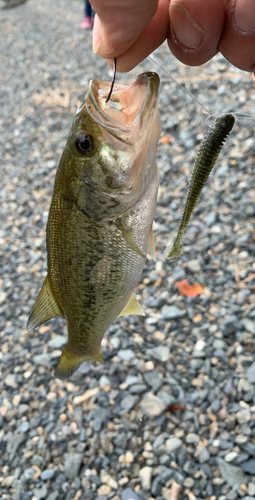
point(129, 107)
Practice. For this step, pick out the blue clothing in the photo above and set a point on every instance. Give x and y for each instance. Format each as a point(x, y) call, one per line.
point(87, 9)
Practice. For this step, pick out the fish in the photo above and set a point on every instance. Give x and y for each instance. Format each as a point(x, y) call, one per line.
point(99, 228)
point(204, 163)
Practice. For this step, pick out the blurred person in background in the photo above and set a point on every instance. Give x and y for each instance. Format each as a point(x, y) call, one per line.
point(87, 22)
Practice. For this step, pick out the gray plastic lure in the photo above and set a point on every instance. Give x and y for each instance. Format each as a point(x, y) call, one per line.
point(204, 163)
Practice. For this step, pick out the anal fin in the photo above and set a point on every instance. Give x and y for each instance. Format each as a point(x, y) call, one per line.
point(132, 307)
point(45, 307)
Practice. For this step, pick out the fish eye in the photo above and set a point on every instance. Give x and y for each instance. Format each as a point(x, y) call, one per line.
point(85, 144)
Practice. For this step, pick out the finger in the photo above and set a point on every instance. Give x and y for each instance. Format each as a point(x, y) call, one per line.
point(151, 38)
point(238, 40)
point(196, 29)
point(119, 24)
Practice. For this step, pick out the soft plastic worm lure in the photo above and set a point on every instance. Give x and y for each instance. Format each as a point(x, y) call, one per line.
point(204, 163)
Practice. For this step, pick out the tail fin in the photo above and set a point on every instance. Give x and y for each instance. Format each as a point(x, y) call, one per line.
point(69, 362)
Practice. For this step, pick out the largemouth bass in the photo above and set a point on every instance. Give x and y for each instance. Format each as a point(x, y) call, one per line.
point(100, 220)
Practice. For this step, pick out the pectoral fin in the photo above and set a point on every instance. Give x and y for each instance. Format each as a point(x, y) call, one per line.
point(151, 245)
point(129, 238)
point(45, 307)
point(132, 307)
point(69, 362)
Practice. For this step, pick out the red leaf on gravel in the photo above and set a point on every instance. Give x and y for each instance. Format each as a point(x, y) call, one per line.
point(189, 290)
point(175, 407)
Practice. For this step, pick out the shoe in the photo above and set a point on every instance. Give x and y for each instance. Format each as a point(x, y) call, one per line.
point(87, 23)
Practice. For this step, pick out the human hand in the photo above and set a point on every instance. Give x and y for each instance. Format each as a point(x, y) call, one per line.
point(194, 29)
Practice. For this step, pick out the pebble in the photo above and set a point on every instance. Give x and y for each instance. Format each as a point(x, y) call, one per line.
point(145, 475)
point(129, 402)
point(243, 416)
point(126, 354)
point(249, 466)
point(173, 444)
point(72, 464)
point(194, 265)
point(47, 474)
point(229, 457)
point(57, 342)
point(204, 455)
point(172, 312)
point(251, 373)
point(230, 473)
point(230, 325)
point(152, 378)
point(152, 405)
point(40, 492)
point(161, 353)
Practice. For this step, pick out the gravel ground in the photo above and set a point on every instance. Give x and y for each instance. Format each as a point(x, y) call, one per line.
point(114, 426)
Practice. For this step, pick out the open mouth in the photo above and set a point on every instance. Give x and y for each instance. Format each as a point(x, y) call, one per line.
point(128, 106)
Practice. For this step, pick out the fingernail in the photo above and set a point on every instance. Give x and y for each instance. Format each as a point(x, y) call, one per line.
point(185, 30)
point(96, 35)
point(244, 15)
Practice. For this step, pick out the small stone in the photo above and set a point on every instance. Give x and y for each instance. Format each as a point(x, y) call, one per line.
point(249, 325)
point(192, 438)
point(7, 481)
point(229, 457)
point(173, 444)
point(172, 312)
point(215, 406)
point(126, 354)
point(129, 494)
point(161, 353)
point(47, 474)
point(40, 493)
point(194, 265)
point(23, 427)
point(152, 378)
point(230, 473)
point(251, 489)
point(249, 466)
point(41, 359)
point(57, 342)
point(189, 482)
point(243, 416)
point(72, 464)
point(127, 458)
point(104, 383)
point(204, 455)
point(105, 489)
point(10, 380)
point(145, 476)
point(129, 402)
point(152, 405)
point(251, 373)
point(230, 325)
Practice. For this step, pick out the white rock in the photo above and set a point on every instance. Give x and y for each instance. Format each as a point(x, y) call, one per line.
point(152, 405)
point(173, 444)
point(145, 476)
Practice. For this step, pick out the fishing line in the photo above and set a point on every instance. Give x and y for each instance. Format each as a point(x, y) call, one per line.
point(181, 86)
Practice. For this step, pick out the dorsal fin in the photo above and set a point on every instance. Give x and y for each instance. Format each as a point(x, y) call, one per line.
point(45, 307)
point(132, 307)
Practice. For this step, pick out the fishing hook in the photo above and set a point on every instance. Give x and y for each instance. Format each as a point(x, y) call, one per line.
point(113, 80)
